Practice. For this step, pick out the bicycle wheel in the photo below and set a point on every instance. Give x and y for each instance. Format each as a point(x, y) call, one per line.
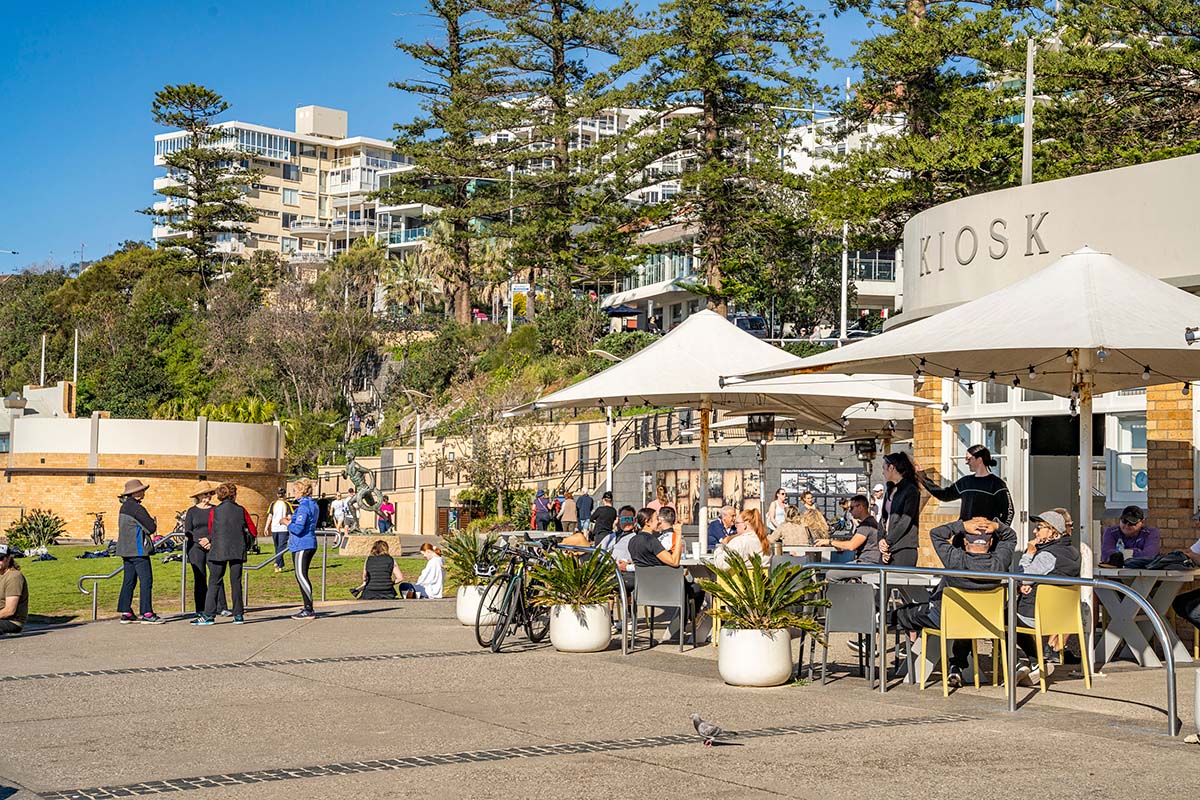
point(489, 610)
point(508, 612)
point(537, 618)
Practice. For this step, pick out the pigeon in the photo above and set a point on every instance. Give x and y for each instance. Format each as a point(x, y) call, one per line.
point(707, 730)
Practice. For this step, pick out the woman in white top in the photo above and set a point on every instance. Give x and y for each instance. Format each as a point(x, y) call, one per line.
point(429, 585)
point(777, 511)
point(750, 538)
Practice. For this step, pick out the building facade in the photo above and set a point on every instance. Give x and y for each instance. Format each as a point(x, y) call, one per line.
point(1144, 448)
point(312, 194)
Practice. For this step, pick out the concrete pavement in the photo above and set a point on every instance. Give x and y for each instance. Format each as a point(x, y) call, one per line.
point(382, 700)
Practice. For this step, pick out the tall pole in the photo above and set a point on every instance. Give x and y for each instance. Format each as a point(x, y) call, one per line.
point(417, 479)
point(508, 326)
point(608, 445)
point(75, 368)
point(1087, 537)
point(845, 274)
point(1027, 138)
point(702, 522)
point(42, 380)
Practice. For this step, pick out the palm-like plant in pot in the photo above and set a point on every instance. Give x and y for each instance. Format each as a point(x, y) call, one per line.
point(579, 591)
point(469, 557)
point(757, 609)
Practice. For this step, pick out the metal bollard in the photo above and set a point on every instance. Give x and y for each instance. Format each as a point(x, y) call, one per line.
point(1010, 672)
point(883, 613)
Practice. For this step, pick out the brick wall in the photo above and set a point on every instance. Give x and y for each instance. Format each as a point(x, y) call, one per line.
point(69, 494)
point(927, 452)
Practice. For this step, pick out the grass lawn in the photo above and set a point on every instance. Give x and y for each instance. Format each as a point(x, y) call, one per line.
point(54, 596)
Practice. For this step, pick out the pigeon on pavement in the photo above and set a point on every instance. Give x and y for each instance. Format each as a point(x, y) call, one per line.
point(707, 730)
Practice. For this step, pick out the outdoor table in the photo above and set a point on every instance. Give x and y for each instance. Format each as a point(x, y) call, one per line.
point(1124, 629)
point(815, 553)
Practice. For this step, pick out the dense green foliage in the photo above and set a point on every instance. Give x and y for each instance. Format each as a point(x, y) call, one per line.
point(753, 598)
point(574, 580)
point(38, 528)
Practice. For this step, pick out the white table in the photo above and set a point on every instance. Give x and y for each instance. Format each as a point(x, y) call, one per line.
point(820, 553)
point(1125, 629)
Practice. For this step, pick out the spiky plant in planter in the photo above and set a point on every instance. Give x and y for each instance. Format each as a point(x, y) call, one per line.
point(567, 580)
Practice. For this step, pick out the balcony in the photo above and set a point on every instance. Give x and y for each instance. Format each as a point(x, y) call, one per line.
point(404, 238)
point(166, 232)
point(314, 229)
point(366, 161)
point(164, 181)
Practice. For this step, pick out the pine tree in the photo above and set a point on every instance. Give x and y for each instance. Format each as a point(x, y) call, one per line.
point(211, 178)
point(456, 171)
point(568, 221)
point(715, 77)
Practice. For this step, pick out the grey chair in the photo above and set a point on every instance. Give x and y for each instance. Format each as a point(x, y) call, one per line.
point(662, 587)
point(803, 561)
point(852, 610)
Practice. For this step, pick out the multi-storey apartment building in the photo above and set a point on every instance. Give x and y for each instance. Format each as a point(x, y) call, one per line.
point(312, 192)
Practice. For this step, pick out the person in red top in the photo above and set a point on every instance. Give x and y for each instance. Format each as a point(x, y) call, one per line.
point(231, 531)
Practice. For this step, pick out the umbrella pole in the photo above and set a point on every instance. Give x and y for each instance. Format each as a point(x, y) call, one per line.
point(1087, 536)
point(702, 522)
point(608, 454)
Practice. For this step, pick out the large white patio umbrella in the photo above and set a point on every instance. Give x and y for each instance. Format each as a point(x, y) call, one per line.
point(684, 369)
point(1084, 325)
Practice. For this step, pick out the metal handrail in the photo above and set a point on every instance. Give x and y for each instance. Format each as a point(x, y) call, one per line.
point(325, 534)
point(1012, 579)
point(95, 579)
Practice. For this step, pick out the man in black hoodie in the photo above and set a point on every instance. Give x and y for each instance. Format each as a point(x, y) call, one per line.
point(975, 545)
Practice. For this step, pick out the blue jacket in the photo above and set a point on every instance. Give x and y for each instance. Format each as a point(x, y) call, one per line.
point(302, 530)
point(716, 532)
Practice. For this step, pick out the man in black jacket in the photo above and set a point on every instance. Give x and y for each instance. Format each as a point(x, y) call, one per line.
point(975, 545)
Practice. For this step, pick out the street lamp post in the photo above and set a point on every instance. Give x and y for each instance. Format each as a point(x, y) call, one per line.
point(417, 461)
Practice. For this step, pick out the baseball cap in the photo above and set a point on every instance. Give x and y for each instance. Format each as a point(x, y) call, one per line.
point(10, 550)
point(978, 537)
point(1053, 519)
point(541, 492)
point(877, 487)
point(1132, 515)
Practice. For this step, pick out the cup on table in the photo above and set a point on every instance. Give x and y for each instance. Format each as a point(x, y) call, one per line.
point(696, 550)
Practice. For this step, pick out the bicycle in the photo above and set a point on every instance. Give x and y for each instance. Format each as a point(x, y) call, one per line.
point(507, 600)
point(97, 528)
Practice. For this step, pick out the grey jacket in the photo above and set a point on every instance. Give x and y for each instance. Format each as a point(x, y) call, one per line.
point(135, 529)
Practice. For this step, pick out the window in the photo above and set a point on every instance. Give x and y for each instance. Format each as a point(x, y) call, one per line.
point(4, 445)
point(309, 150)
point(264, 187)
point(309, 170)
point(1126, 459)
point(291, 197)
point(291, 173)
point(995, 392)
point(287, 220)
point(288, 245)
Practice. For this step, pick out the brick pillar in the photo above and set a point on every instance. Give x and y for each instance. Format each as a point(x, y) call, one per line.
point(927, 452)
point(1169, 448)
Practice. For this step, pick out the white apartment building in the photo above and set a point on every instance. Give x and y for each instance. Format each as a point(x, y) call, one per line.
point(312, 192)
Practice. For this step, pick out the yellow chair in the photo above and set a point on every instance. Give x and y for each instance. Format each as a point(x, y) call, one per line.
point(969, 615)
point(1057, 610)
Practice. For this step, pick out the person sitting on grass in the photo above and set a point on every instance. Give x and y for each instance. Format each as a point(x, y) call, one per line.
point(429, 584)
point(14, 592)
point(381, 573)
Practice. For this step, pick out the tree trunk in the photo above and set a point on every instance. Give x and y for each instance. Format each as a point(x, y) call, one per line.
point(712, 224)
point(499, 501)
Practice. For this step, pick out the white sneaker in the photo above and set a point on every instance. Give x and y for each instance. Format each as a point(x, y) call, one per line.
point(1025, 675)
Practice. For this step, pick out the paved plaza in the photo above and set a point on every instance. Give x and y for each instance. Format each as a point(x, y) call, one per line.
point(396, 700)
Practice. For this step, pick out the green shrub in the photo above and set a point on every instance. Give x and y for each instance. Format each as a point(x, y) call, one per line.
point(38, 528)
point(463, 550)
point(750, 599)
point(571, 581)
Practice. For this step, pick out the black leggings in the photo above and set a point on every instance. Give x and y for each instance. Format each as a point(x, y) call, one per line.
point(199, 566)
point(216, 575)
point(301, 559)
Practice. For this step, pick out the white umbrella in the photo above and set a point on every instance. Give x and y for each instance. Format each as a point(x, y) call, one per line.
point(1085, 324)
point(684, 369)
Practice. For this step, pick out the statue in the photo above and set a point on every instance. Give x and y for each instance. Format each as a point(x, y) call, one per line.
point(363, 481)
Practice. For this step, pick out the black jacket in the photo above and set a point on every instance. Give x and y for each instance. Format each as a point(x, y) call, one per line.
point(986, 497)
point(231, 524)
point(900, 521)
point(135, 530)
point(999, 559)
point(1059, 557)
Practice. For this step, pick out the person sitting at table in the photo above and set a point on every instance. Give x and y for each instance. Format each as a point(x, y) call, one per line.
point(1131, 538)
point(750, 538)
point(793, 532)
point(986, 546)
point(647, 552)
point(722, 527)
point(813, 519)
point(1049, 552)
point(864, 542)
point(1187, 605)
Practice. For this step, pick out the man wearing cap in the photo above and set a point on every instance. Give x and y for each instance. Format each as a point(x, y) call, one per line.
point(280, 516)
point(1131, 538)
point(986, 546)
point(135, 545)
point(877, 501)
point(14, 592)
point(1049, 552)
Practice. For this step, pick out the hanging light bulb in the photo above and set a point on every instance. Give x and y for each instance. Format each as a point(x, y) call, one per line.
point(841, 461)
point(1102, 354)
point(1016, 382)
point(919, 377)
point(991, 377)
point(1146, 372)
point(1187, 389)
point(822, 459)
point(1070, 358)
point(957, 374)
point(1032, 373)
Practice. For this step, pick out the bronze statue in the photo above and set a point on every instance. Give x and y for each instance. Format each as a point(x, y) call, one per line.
point(363, 481)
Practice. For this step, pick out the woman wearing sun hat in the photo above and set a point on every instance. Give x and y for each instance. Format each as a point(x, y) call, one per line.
point(135, 545)
point(195, 524)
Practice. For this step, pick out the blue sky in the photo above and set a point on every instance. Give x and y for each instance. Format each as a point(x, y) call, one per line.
point(77, 78)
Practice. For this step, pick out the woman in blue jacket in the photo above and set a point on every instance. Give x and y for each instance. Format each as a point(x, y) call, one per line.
point(302, 544)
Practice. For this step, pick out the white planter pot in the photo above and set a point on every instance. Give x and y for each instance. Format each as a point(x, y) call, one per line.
point(755, 657)
point(587, 629)
point(466, 605)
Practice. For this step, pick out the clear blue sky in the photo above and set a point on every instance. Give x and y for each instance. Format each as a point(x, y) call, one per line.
point(77, 78)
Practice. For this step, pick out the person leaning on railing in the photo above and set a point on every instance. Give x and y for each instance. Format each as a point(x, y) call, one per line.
point(986, 546)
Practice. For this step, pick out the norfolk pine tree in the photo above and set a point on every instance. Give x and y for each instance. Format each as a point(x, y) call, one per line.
point(211, 180)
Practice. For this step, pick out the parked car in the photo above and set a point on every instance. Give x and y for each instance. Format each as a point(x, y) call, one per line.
point(753, 325)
